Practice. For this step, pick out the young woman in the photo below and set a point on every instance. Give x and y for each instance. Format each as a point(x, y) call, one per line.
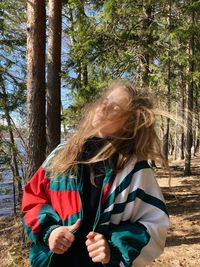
point(95, 200)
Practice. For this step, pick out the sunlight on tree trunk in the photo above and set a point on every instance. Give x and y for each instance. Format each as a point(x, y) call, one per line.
point(190, 90)
point(36, 19)
point(53, 77)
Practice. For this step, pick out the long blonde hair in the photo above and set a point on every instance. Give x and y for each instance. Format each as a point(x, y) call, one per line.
point(137, 136)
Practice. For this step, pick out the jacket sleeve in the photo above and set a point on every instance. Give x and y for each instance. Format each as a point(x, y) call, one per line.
point(141, 233)
point(38, 216)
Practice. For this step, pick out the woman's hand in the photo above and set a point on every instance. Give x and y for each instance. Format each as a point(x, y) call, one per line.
point(61, 238)
point(98, 247)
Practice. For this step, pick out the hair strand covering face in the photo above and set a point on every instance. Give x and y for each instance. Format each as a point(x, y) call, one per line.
point(137, 136)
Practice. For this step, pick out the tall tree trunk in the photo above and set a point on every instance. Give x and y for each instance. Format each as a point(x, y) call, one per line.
point(183, 114)
point(168, 91)
point(84, 75)
point(197, 122)
point(83, 69)
point(14, 191)
point(53, 78)
point(166, 140)
point(36, 19)
point(188, 143)
point(176, 135)
point(81, 61)
point(147, 21)
point(64, 126)
point(187, 166)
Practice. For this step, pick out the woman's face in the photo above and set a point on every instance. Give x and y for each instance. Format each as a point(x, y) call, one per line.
point(111, 112)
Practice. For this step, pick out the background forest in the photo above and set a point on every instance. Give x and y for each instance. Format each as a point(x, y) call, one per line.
point(56, 56)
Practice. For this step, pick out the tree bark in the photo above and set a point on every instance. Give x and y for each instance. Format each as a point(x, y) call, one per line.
point(197, 122)
point(176, 135)
point(166, 140)
point(82, 65)
point(36, 19)
point(53, 77)
point(64, 125)
point(183, 114)
point(168, 91)
point(187, 166)
point(188, 143)
point(146, 59)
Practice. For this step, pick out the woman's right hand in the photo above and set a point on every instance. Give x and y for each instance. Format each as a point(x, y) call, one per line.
point(61, 238)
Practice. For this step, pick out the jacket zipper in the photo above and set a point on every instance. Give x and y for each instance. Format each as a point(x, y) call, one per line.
point(100, 199)
point(99, 209)
point(78, 186)
point(81, 213)
point(50, 259)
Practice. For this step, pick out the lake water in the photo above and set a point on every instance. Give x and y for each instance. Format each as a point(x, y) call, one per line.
point(6, 193)
point(6, 188)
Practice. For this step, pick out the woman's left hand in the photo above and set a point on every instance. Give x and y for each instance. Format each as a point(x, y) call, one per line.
point(98, 247)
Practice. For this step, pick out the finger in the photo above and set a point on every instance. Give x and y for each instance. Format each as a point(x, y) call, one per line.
point(90, 242)
point(68, 236)
point(72, 228)
point(63, 247)
point(58, 251)
point(95, 245)
point(60, 245)
point(91, 235)
point(58, 248)
point(99, 258)
point(95, 253)
point(65, 242)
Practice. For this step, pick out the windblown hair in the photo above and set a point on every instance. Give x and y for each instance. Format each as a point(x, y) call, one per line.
point(137, 137)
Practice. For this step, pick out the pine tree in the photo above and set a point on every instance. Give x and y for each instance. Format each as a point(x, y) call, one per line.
point(12, 86)
point(53, 115)
point(36, 20)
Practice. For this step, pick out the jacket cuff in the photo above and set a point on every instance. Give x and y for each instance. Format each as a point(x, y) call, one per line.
point(115, 255)
point(47, 231)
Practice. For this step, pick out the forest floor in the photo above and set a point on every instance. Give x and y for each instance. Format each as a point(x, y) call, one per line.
point(183, 242)
point(183, 203)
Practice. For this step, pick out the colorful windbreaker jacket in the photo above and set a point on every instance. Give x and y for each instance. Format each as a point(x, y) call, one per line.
point(131, 213)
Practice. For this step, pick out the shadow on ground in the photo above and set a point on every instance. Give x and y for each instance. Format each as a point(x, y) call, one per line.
point(183, 203)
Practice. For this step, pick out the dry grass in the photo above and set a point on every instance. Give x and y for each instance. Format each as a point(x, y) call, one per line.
point(13, 251)
point(183, 202)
